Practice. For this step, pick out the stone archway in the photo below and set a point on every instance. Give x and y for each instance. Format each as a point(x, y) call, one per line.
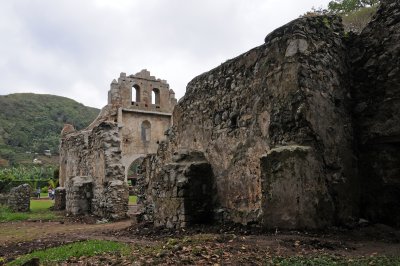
point(127, 161)
point(133, 171)
point(133, 174)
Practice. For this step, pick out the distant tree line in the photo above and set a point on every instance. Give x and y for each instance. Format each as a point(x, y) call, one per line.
point(34, 176)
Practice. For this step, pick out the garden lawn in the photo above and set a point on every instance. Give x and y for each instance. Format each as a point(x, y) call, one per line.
point(39, 211)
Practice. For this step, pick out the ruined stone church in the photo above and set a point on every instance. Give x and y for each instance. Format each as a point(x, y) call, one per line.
point(94, 162)
point(300, 132)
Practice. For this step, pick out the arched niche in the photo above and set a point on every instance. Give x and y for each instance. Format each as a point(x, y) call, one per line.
point(146, 131)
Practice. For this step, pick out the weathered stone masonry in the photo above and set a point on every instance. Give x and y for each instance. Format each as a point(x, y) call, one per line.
point(19, 198)
point(282, 94)
point(300, 132)
point(92, 164)
point(375, 61)
point(276, 126)
point(94, 161)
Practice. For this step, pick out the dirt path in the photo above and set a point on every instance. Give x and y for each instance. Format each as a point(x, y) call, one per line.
point(27, 231)
point(18, 238)
point(200, 245)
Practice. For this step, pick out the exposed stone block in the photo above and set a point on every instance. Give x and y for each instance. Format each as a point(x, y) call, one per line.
point(294, 191)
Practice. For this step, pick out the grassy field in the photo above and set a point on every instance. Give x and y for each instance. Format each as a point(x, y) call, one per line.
point(39, 211)
point(85, 248)
point(132, 200)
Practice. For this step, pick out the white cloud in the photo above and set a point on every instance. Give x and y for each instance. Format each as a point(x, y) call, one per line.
point(75, 48)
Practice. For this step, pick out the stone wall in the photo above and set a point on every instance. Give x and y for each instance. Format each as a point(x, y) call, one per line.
point(96, 155)
point(79, 195)
point(181, 191)
point(375, 58)
point(134, 144)
point(3, 199)
point(305, 203)
point(289, 91)
point(276, 124)
point(60, 199)
point(19, 198)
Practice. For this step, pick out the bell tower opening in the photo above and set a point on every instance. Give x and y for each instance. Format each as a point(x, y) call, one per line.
point(155, 96)
point(135, 93)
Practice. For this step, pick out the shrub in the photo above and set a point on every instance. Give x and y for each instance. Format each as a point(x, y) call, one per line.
point(45, 189)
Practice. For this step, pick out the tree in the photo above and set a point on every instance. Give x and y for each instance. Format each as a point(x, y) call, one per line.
point(348, 6)
point(357, 20)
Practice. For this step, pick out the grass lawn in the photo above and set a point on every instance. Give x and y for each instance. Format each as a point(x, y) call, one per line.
point(44, 195)
point(39, 211)
point(132, 200)
point(85, 248)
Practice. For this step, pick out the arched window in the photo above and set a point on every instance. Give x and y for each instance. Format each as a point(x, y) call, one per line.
point(155, 96)
point(136, 93)
point(146, 131)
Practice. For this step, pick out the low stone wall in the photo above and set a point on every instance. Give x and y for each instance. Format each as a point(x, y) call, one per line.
point(19, 198)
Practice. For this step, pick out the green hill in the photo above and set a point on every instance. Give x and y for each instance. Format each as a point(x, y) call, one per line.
point(31, 123)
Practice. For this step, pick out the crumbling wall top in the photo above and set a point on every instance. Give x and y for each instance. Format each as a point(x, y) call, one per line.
point(142, 91)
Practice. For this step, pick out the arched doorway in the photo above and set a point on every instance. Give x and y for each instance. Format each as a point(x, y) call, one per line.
point(134, 172)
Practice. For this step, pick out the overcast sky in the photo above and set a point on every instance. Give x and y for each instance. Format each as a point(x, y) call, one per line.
point(75, 48)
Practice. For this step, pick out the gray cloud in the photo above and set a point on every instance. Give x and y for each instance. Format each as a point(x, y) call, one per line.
point(75, 48)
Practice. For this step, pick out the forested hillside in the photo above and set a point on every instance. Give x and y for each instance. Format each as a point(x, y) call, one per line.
point(31, 123)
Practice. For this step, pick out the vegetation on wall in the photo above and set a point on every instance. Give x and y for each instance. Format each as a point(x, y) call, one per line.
point(355, 13)
point(31, 123)
point(350, 6)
